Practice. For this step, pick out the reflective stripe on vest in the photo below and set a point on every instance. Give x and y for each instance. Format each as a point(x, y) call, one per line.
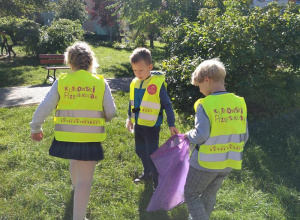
point(227, 114)
point(150, 105)
point(79, 116)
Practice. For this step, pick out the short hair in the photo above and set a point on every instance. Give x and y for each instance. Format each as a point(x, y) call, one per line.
point(141, 54)
point(213, 69)
point(81, 57)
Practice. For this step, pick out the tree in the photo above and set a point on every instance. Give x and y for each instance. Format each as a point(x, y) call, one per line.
point(105, 14)
point(259, 46)
point(72, 10)
point(25, 8)
point(145, 16)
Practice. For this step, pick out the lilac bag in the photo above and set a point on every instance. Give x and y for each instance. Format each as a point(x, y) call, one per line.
point(171, 161)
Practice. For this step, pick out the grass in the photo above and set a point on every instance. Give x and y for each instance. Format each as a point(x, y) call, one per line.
point(37, 186)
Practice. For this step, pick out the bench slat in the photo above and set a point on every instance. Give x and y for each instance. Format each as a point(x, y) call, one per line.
point(51, 61)
point(56, 67)
point(51, 56)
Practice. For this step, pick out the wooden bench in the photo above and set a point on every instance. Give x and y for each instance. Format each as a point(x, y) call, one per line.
point(52, 59)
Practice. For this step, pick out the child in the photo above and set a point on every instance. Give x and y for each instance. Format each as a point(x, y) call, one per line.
point(220, 134)
point(148, 98)
point(9, 42)
point(83, 103)
point(3, 46)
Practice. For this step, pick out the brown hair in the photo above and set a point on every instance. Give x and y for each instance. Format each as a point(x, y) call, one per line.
point(213, 69)
point(81, 57)
point(141, 54)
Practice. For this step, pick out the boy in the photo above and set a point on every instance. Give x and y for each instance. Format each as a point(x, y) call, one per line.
point(9, 42)
point(2, 43)
point(148, 98)
point(220, 134)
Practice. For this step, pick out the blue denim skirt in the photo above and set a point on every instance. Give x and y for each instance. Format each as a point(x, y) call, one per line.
point(89, 151)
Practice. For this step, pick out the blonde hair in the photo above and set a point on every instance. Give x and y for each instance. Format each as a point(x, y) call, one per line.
point(213, 69)
point(141, 54)
point(81, 57)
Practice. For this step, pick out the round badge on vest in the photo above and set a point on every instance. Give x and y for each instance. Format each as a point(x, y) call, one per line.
point(151, 89)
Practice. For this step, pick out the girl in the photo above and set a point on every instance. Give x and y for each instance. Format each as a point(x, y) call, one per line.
point(83, 103)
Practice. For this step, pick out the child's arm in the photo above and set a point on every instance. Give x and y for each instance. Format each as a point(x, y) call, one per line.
point(201, 132)
point(129, 124)
point(167, 106)
point(43, 110)
point(109, 106)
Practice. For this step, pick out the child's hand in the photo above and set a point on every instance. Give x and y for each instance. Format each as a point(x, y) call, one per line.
point(174, 130)
point(186, 135)
point(37, 136)
point(129, 125)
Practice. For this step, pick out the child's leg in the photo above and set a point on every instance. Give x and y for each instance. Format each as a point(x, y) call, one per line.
point(13, 51)
point(152, 141)
point(84, 176)
point(140, 147)
point(196, 184)
point(73, 173)
point(209, 195)
point(9, 49)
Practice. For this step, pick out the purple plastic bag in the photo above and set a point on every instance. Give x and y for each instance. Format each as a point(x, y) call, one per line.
point(171, 161)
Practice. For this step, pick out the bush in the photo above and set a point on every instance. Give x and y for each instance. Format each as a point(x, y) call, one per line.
point(259, 47)
point(19, 28)
point(48, 39)
point(57, 37)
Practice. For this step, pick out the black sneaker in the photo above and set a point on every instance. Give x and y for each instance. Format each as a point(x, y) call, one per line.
point(15, 55)
point(143, 177)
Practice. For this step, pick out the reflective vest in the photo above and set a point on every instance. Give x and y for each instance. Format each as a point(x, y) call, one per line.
point(227, 114)
point(9, 40)
point(79, 115)
point(150, 105)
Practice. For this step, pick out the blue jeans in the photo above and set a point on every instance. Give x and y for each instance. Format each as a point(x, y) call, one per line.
point(146, 142)
point(200, 191)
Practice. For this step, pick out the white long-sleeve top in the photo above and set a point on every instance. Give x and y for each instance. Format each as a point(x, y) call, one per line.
point(51, 100)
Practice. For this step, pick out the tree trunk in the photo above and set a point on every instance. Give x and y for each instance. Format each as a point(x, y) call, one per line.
point(151, 37)
point(110, 34)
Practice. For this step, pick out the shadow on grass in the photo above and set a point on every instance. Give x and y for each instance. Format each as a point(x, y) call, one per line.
point(144, 201)
point(121, 70)
point(177, 213)
point(9, 75)
point(68, 215)
point(273, 156)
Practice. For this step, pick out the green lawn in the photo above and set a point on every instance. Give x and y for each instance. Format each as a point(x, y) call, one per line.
point(34, 185)
point(37, 186)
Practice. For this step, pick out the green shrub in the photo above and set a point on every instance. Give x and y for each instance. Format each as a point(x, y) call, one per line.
point(259, 47)
point(19, 28)
point(57, 37)
point(48, 39)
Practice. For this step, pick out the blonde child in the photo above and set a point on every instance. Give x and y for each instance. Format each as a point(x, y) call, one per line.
point(220, 134)
point(83, 104)
point(148, 99)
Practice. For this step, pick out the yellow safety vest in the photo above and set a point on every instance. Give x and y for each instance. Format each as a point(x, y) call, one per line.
point(150, 105)
point(9, 40)
point(79, 115)
point(227, 114)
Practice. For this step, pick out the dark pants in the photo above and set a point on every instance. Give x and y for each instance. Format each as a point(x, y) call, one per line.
point(9, 47)
point(2, 47)
point(146, 142)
